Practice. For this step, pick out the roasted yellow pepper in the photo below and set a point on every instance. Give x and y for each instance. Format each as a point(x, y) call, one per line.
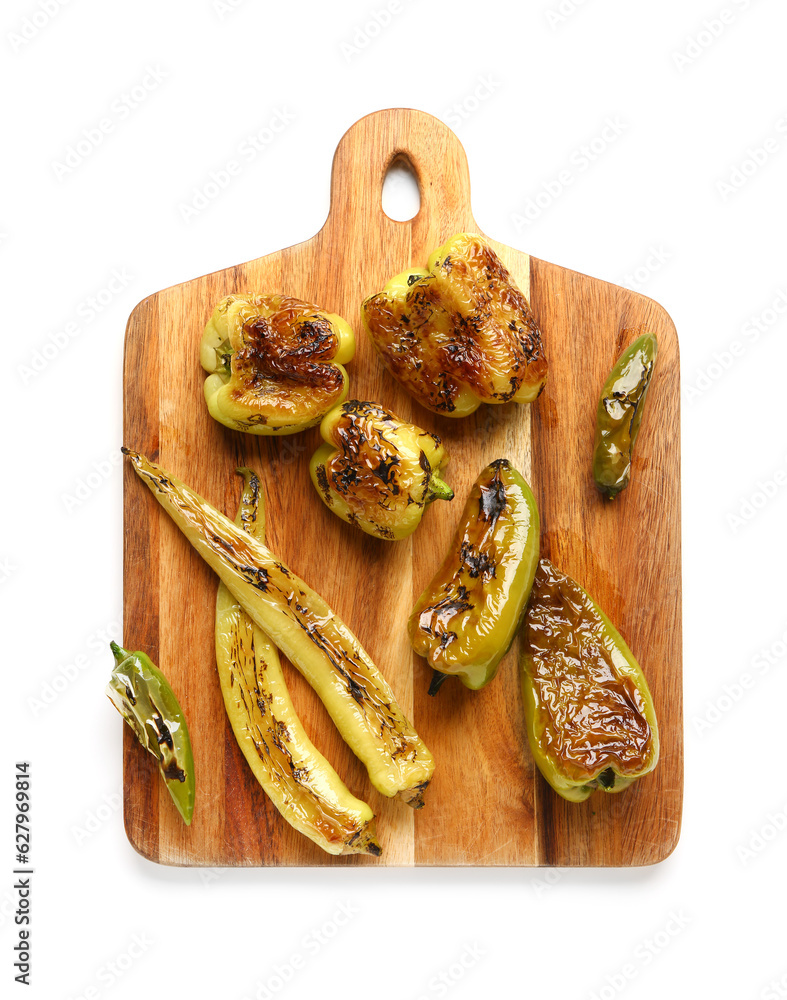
point(459, 332)
point(300, 782)
point(377, 471)
point(275, 363)
point(309, 633)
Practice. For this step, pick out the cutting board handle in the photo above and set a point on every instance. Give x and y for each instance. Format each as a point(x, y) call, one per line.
point(429, 147)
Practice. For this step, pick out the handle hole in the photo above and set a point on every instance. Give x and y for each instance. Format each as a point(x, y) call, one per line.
point(401, 196)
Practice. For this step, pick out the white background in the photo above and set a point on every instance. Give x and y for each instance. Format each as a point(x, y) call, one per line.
point(525, 88)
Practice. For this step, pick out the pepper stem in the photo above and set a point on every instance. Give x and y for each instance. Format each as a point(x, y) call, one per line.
point(437, 681)
point(438, 490)
point(118, 652)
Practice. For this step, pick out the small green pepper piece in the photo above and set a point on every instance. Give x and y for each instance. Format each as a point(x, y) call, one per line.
point(142, 695)
point(619, 414)
point(466, 619)
point(588, 711)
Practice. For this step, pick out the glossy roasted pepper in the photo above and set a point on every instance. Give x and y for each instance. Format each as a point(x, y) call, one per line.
point(142, 695)
point(588, 711)
point(275, 363)
point(376, 471)
point(466, 619)
point(300, 782)
point(459, 332)
point(619, 414)
point(309, 633)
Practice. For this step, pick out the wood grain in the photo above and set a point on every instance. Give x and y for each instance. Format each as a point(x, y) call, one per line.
point(487, 804)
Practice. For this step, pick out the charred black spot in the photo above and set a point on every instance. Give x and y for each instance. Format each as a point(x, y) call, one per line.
point(492, 501)
point(355, 688)
point(384, 472)
point(257, 576)
point(474, 562)
point(164, 735)
point(322, 481)
point(173, 773)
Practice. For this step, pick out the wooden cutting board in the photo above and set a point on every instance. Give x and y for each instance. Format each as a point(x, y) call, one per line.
point(487, 804)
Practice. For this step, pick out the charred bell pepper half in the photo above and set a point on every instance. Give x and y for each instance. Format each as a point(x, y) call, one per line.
point(300, 782)
point(142, 695)
point(459, 332)
point(309, 633)
point(466, 619)
point(588, 711)
point(376, 471)
point(619, 414)
point(274, 363)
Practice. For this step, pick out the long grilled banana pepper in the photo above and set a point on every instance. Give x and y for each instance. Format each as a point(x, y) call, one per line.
point(143, 696)
point(303, 786)
point(275, 363)
point(589, 714)
point(466, 619)
point(619, 414)
point(376, 471)
point(310, 635)
point(459, 332)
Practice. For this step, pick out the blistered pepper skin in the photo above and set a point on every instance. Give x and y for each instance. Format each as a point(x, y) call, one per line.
point(143, 696)
point(376, 471)
point(459, 332)
point(275, 364)
point(468, 616)
point(300, 782)
point(619, 415)
point(588, 710)
point(309, 633)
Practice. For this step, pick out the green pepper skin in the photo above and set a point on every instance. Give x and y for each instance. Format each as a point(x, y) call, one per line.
point(142, 695)
point(588, 710)
point(466, 619)
point(619, 415)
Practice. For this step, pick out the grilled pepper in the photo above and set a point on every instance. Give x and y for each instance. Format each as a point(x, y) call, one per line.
point(459, 332)
point(301, 783)
point(589, 714)
point(376, 471)
point(142, 695)
point(619, 414)
point(466, 619)
point(275, 363)
point(309, 633)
